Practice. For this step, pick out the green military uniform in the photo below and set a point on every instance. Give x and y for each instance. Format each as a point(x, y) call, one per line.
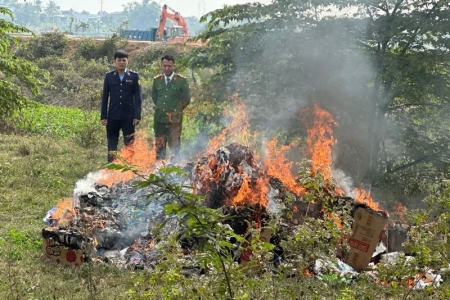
point(170, 99)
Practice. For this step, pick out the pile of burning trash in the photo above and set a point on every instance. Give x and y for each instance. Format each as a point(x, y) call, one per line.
point(117, 222)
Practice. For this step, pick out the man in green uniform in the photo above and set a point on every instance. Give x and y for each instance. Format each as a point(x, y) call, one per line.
point(170, 93)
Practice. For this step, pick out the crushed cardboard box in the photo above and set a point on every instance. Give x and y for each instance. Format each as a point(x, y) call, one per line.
point(367, 228)
point(61, 254)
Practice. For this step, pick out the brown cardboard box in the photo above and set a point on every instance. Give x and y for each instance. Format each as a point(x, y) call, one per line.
point(61, 254)
point(367, 228)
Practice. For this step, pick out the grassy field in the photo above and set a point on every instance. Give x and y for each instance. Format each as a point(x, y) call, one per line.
point(35, 173)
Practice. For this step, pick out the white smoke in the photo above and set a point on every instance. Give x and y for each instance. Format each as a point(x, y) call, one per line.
point(85, 186)
point(344, 182)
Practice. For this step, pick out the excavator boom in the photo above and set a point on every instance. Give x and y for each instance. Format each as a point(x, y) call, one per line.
point(169, 13)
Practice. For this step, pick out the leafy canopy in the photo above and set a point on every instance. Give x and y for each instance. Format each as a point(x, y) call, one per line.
point(15, 74)
point(381, 67)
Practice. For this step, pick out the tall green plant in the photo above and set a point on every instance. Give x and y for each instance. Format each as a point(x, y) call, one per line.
point(49, 44)
point(17, 75)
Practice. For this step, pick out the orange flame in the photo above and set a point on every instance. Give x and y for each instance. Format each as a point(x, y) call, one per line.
point(238, 128)
point(62, 207)
point(151, 245)
point(412, 282)
point(339, 191)
point(137, 153)
point(237, 131)
point(252, 193)
point(364, 197)
point(278, 166)
point(307, 272)
point(320, 139)
point(337, 221)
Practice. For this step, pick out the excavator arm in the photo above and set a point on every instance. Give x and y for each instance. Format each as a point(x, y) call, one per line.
point(169, 13)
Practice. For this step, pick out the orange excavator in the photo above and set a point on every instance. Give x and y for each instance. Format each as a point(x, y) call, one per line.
point(173, 34)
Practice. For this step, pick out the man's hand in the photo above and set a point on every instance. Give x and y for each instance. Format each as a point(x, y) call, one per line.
point(135, 122)
point(104, 122)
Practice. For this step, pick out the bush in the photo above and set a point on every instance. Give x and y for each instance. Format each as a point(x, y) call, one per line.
point(86, 49)
point(48, 44)
point(109, 46)
point(154, 54)
point(94, 69)
point(73, 81)
point(53, 63)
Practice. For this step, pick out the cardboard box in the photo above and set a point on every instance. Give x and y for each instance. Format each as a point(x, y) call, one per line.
point(61, 254)
point(367, 228)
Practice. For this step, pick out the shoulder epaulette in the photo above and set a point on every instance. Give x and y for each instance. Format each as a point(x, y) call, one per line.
point(131, 71)
point(158, 76)
point(112, 71)
point(181, 76)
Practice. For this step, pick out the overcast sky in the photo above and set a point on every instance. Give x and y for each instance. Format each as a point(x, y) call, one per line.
point(185, 7)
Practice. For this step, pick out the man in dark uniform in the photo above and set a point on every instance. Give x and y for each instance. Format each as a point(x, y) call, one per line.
point(121, 102)
point(170, 93)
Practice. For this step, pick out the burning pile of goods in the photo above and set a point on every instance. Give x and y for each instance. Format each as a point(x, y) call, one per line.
point(116, 223)
point(112, 219)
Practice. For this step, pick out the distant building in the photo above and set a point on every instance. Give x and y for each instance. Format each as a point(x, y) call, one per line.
point(60, 18)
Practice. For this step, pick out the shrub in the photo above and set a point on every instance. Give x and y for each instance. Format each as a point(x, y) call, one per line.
point(154, 54)
point(109, 45)
point(86, 49)
point(73, 82)
point(94, 69)
point(48, 44)
point(53, 63)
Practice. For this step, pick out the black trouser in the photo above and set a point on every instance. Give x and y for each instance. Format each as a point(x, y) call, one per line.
point(112, 133)
point(167, 133)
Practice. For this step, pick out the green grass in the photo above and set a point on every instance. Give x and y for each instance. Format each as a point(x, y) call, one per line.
point(35, 173)
point(56, 121)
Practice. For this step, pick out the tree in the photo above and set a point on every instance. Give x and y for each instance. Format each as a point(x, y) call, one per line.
point(72, 19)
point(27, 13)
point(378, 70)
point(408, 41)
point(15, 74)
point(143, 16)
point(51, 9)
point(83, 25)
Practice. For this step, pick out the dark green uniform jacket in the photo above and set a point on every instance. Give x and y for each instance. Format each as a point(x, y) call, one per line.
point(171, 99)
